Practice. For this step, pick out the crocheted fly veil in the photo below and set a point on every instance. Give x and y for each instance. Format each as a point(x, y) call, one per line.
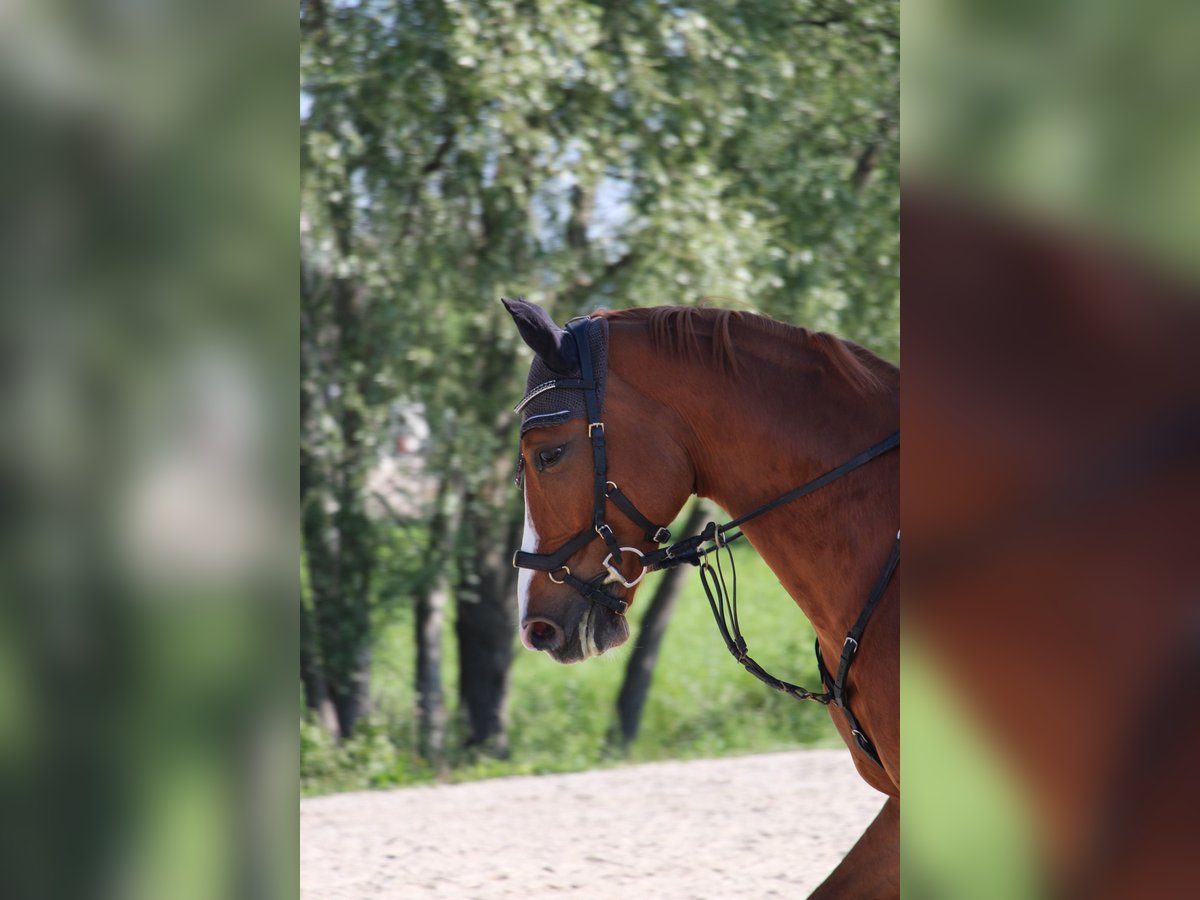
point(552, 397)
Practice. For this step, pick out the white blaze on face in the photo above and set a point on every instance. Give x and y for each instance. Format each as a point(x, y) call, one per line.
point(529, 543)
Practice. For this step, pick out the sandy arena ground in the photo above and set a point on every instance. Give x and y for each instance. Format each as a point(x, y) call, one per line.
point(756, 826)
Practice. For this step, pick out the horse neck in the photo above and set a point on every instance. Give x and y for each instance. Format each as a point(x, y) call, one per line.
point(787, 417)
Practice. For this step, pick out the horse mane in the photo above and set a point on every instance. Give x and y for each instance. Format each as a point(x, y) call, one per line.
point(678, 329)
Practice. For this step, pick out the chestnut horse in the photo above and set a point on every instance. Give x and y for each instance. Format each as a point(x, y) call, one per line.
point(740, 409)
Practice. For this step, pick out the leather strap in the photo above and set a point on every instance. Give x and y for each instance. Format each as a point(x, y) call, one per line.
point(659, 534)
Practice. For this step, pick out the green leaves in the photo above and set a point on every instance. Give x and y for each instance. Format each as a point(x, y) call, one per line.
point(586, 154)
point(595, 153)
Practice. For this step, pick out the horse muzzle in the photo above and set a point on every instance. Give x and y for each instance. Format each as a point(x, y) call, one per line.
point(574, 631)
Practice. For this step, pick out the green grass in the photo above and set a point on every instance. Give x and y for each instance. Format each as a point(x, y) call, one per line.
point(701, 704)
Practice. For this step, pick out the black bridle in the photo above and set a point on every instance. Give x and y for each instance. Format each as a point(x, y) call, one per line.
point(695, 550)
point(603, 490)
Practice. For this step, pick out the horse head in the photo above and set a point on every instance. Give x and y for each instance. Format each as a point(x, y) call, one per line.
point(589, 443)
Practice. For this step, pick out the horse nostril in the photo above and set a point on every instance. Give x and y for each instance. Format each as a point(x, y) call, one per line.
point(542, 634)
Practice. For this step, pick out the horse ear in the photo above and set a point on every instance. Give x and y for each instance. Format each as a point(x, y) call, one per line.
point(554, 345)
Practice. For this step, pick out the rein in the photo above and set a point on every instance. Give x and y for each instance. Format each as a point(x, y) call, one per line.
point(722, 595)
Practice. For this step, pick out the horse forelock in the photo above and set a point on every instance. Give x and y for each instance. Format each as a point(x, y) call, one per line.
point(706, 336)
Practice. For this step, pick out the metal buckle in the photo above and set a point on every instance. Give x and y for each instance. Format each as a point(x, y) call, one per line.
point(850, 640)
point(615, 573)
point(666, 536)
point(594, 425)
point(514, 559)
point(550, 575)
point(600, 529)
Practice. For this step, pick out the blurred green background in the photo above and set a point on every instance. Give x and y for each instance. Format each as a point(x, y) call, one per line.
point(147, 450)
point(1068, 119)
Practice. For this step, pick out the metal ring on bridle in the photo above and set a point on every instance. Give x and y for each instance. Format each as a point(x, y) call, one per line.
point(550, 575)
point(615, 573)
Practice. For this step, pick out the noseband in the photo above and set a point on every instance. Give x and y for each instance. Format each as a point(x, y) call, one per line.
point(692, 550)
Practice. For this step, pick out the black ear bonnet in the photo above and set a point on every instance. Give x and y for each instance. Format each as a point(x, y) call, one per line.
point(553, 396)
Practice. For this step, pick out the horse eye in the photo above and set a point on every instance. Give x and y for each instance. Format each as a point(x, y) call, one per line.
point(547, 458)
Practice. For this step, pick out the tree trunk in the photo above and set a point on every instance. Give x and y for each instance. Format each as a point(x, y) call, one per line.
point(431, 705)
point(639, 671)
point(492, 519)
point(340, 615)
point(338, 536)
point(316, 695)
point(430, 619)
point(350, 695)
point(343, 617)
point(487, 623)
point(312, 528)
point(340, 634)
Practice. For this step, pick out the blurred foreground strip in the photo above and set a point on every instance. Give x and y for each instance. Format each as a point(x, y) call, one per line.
point(1050, 487)
point(1051, 474)
point(147, 456)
